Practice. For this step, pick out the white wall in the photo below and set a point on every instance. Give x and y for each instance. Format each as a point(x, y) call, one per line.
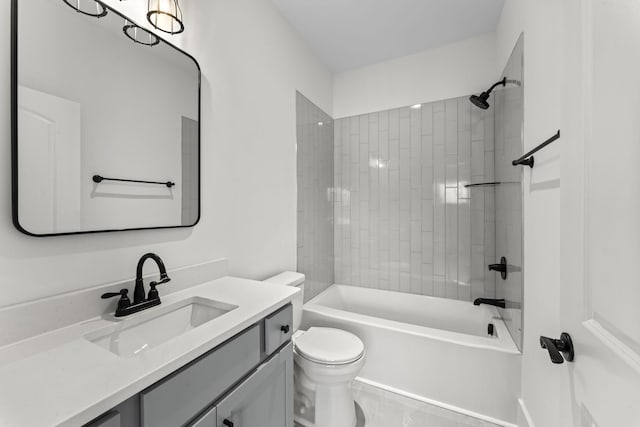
point(252, 63)
point(451, 71)
point(541, 22)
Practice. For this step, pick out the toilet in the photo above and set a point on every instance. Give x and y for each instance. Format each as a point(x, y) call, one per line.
point(326, 360)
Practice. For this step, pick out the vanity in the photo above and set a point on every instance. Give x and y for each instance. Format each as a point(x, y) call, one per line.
point(218, 354)
point(246, 381)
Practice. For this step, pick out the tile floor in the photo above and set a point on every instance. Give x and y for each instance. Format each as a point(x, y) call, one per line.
point(376, 407)
point(385, 409)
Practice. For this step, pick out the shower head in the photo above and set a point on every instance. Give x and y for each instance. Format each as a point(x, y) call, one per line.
point(481, 101)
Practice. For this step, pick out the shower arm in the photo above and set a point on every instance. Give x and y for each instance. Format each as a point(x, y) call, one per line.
point(502, 82)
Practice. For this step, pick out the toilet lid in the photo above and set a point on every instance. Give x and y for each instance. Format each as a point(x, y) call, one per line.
point(329, 346)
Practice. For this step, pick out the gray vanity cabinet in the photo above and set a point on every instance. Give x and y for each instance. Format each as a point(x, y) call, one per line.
point(245, 382)
point(177, 399)
point(111, 419)
point(264, 399)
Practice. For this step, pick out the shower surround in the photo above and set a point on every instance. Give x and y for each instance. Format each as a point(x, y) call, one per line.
point(314, 151)
point(404, 220)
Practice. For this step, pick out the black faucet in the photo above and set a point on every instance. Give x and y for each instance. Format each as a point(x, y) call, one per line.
point(140, 301)
point(495, 302)
point(138, 292)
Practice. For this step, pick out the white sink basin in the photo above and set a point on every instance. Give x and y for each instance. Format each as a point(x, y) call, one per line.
point(141, 333)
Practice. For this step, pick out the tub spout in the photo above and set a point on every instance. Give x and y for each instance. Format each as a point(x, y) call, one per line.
point(495, 302)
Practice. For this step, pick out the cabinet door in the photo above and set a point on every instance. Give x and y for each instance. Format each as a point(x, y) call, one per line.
point(265, 399)
point(110, 419)
point(208, 419)
point(178, 398)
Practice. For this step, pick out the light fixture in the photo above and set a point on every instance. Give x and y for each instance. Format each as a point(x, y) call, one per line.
point(87, 7)
point(165, 15)
point(416, 106)
point(139, 35)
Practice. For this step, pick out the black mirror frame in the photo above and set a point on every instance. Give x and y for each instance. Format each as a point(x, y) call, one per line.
point(14, 131)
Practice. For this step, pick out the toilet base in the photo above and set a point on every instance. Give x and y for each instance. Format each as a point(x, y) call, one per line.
point(360, 418)
point(323, 405)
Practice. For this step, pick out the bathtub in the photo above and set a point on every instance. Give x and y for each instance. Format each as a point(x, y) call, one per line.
point(431, 349)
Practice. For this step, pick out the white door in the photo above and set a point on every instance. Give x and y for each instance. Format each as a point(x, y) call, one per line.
point(601, 214)
point(48, 162)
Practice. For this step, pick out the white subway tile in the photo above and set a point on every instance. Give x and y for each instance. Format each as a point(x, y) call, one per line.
point(427, 247)
point(427, 215)
point(403, 219)
point(416, 237)
point(427, 119)
point(427, 279)
point(405, 132)
point(438, 286)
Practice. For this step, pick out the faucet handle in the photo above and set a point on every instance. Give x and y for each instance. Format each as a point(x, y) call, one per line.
point(153, 292)
point(124, 301)
point(163, 279)
point(122, 292)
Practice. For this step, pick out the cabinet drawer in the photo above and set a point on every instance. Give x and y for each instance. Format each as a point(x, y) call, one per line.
point(177, 399)
point(278, 329)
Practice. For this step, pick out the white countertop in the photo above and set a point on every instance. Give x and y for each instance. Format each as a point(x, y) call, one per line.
point(62, 379)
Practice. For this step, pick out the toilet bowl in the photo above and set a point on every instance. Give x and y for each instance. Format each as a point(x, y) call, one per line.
point(326, 360)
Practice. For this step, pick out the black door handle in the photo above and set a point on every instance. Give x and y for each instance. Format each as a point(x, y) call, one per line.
point(285, 329)
point(227, 423)
point(558, 348)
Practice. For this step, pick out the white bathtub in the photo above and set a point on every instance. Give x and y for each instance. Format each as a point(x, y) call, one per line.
point(432, 349)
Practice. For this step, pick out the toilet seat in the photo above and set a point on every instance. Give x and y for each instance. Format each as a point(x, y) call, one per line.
point(328, 346)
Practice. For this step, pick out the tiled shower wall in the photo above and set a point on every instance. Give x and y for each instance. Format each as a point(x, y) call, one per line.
point(509, 107)
point(404, 220)
point(315, 206)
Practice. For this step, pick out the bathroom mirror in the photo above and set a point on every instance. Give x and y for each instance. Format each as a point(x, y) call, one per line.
point(105, 122)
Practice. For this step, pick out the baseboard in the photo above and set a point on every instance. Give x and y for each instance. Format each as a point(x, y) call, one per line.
point(524, 418)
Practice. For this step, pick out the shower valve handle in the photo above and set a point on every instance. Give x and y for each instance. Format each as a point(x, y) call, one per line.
point(502, 268)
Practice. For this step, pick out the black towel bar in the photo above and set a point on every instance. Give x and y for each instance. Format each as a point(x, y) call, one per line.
point(98, 179)
point(482, 184)
point(527, 159)
point(488, 184)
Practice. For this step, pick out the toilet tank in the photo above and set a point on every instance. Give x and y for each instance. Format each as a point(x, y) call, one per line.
point(290, 278)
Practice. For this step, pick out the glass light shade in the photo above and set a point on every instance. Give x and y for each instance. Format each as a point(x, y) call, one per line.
point(87, 7)
point(165, 15)
point(139, 35)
